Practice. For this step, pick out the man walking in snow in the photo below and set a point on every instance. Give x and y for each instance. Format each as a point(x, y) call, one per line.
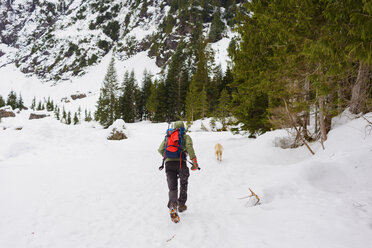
point(175, 166)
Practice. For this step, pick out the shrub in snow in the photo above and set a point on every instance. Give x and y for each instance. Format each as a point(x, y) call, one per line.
point(6, 111)
point(283, 142)
point(117, 130)
point(202, 127)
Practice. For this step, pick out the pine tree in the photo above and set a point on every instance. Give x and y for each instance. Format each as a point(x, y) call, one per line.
point(192, 103)
point(223, 108)
point(107, 105)
point(12, 100)
point(88, 116)
point(57, 113)
point(76, 119)
point(152, 102)
point(203, 103)
point(2, 102)
point(64, 115)
point(128, 98)
point(79, 112)
point(20, 103)
point(68, 121)
point(174, 84)
point(217, 27)
point(39, 106)
point(146, 92)
point(33, 104)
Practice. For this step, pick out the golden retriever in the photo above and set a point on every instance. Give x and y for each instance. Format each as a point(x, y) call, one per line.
point(218, 148)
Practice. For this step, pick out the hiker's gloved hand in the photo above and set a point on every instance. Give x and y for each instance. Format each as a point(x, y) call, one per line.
point(195, 164)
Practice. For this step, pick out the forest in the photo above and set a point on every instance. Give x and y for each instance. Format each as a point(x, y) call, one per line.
point(292, 61)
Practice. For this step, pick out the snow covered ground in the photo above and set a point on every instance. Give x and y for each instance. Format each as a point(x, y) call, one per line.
point(67, 186)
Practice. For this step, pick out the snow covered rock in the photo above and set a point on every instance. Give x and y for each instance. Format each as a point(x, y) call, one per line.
point(38, 116)
point(117, 130)
point(78, 96)
point(6, 111)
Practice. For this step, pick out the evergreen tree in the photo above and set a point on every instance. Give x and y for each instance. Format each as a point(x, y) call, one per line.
point(20, 103)
point(203, 103)
point(217, 27)
point(76, 119)
point(39, 106)
point(12, 100)
point(223, 108)
point(64, 116)
point(192, 103)
point(174, 85)
point(33, 104)
point(226, 81)
point(2, 102)
point(68, 121)
point(128, 98)
point(107, 105)
point(146, 92)
point(87, 115)
point(152, 103)
point(57, 113)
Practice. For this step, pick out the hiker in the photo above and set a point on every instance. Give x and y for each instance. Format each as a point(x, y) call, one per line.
point(174, 149)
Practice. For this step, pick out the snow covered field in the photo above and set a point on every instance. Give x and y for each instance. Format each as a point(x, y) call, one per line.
point(67, 186)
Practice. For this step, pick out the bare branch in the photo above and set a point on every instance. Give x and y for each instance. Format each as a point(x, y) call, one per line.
point(252, 195)
point(294, 126)
point(367, 120)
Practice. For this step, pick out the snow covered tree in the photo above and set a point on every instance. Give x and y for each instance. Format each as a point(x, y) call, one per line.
point(107, 105)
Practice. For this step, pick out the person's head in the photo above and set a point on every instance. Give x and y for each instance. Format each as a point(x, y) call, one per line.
point(178, 124)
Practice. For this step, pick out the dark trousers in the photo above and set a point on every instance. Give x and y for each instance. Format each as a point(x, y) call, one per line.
point(173, 171)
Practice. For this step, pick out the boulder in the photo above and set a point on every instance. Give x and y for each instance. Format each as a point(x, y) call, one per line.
point(37, 116)
point(6, 111)
point(78, 96)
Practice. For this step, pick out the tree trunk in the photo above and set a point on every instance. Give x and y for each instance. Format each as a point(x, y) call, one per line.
point(360, 88)
point(306, 117)
point(323, 129)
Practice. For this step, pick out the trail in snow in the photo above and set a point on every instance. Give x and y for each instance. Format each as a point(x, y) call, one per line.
point(67, 186)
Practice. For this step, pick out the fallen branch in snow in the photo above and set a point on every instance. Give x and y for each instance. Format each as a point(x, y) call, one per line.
point(367, 120)
point(369, 126)
point(252, 194)
point(294, 126)
point(171, 238)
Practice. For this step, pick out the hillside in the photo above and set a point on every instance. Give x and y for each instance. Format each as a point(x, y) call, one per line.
point(60, 39)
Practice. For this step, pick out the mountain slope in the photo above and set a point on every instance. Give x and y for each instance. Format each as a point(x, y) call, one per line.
point(57, 39)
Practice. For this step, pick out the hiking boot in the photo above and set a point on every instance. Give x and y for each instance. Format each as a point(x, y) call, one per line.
point(182, 208)
point(174, 215)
